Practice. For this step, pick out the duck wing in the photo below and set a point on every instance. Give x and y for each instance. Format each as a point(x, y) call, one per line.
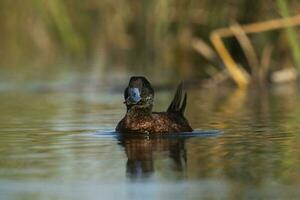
point(178, 103)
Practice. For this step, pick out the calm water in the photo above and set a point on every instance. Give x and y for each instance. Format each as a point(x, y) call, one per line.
point(58, 144)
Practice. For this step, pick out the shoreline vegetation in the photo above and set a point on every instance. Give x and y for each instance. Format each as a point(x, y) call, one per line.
point(259, 69)
point(238, 42)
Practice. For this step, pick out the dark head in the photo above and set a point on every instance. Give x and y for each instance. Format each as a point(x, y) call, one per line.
point(139, 94)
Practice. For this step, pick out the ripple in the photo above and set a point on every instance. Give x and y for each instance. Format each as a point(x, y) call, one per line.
point(184, 135)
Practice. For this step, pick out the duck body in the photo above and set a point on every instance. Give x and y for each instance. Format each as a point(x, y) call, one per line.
point(157, 122)
point(139, 117)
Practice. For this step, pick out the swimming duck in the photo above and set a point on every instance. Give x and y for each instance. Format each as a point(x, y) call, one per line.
point(139, 118)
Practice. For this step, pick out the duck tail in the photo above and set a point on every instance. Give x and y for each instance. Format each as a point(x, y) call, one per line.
point(178, 105)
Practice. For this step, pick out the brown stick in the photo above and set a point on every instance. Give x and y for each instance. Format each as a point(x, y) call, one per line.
point(262, 26)
point(265, 61)
point(204, 49)
point(247, 47)
point(240, 76)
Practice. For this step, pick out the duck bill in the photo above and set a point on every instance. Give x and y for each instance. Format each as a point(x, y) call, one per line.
point(134, 96)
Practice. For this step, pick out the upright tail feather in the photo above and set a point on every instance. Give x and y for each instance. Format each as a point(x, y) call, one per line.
point(178, 105)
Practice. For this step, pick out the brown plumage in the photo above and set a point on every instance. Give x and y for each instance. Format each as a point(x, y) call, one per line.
point(139, 118)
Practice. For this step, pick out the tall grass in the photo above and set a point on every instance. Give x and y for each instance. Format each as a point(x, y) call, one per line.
point(139, 35)
point(291, 32)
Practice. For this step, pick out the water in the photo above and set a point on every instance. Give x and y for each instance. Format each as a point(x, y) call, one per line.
point(60, 144)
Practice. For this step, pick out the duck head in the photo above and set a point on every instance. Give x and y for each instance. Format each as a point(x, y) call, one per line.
point(139, 94)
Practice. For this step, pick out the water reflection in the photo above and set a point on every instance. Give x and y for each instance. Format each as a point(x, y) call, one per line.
point(141, 155)
point(45, 138)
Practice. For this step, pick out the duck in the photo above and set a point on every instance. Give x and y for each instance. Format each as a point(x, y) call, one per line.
point(139, 117)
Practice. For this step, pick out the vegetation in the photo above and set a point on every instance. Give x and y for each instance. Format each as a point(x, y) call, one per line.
point(149, 36)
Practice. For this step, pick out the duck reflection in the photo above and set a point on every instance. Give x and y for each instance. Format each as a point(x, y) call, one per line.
point(142, 153)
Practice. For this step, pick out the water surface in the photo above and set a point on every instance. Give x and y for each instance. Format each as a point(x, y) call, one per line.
point(59, 144)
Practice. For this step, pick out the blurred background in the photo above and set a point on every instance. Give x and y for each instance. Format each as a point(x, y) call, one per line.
point(166, 40)
point(63, 68)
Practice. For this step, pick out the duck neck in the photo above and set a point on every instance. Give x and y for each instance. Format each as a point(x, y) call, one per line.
point(139, 112)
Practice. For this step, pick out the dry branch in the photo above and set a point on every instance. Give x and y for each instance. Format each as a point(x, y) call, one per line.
point(265, 61)
point(240, 76)
point(247, 47)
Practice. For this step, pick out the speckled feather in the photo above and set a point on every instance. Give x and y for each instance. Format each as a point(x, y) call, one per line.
point(157, 122)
